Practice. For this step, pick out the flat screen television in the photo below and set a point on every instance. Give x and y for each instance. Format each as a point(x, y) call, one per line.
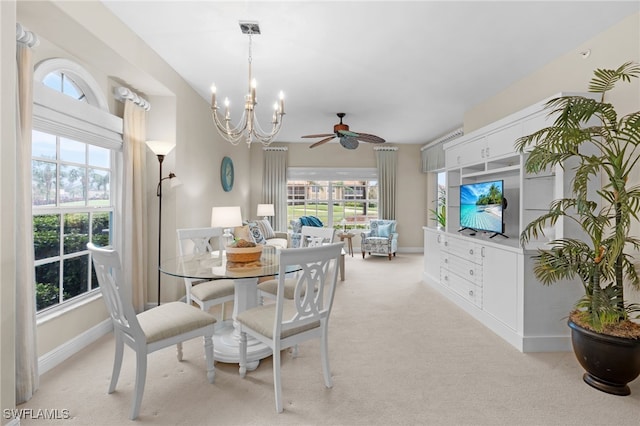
point(482, 205)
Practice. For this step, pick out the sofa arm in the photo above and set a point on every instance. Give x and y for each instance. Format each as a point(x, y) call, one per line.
point(283, 235)
point(365, 235)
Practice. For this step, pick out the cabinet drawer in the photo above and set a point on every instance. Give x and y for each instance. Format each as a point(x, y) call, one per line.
point(464, 268)
point(465, 289)
point(464, 249)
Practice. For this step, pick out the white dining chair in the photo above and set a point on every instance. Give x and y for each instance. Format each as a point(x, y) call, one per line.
point(311, 236)
point(205, 293)
point(288, 322)
point(165, 325)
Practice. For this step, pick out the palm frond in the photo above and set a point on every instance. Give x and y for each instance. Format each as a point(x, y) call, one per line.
point(605, 79)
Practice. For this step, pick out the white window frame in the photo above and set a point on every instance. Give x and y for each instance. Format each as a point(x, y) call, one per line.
point(331, 175)
point(88, 122)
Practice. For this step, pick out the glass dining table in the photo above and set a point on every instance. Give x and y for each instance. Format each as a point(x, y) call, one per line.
point(212, 266)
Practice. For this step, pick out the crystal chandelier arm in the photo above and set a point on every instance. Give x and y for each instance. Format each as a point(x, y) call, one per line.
point(264, 137)
point(232, 135)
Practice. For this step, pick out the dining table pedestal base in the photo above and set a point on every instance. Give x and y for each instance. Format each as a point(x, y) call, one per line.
point(226, 340)
point(226, 346)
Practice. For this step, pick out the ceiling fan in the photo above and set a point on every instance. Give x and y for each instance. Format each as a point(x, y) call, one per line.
point(348, 139)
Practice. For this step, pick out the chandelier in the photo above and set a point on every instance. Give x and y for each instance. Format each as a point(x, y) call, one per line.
point(248, 129)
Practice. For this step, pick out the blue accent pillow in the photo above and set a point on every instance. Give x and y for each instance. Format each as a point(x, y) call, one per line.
point(384, 230)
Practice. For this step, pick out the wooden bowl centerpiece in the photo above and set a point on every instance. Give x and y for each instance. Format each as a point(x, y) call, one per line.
point(243, 251)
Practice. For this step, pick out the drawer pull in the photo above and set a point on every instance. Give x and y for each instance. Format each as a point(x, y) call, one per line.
point(446, 261)
point(470, 251)
point(446, 278)
point(470, 292)
point(470, 271)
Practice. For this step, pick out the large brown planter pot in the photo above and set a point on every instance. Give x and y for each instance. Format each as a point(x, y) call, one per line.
point(611, 362)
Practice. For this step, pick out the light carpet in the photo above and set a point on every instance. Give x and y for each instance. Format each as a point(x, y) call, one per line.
point(400, 354)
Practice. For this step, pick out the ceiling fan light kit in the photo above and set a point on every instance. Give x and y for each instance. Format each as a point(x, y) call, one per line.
point(248, 128)
point(347, 138)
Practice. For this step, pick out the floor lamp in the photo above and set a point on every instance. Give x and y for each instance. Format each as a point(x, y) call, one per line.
point(160, 149)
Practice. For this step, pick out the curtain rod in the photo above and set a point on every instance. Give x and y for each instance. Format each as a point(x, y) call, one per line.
point(124, 93)
point(25, 36)
point(447, 137)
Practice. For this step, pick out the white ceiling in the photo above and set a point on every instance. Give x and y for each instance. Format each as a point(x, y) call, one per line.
point(405, 71)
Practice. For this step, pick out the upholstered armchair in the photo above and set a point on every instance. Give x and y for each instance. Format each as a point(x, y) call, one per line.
point(382, 238)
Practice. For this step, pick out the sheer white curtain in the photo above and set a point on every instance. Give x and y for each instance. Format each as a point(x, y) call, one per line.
point(274, 184)
point(387, 160)
point(26, 353)
point(134, 204)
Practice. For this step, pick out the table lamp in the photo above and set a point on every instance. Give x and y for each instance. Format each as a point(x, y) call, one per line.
point(265, 210)
point(227, 218)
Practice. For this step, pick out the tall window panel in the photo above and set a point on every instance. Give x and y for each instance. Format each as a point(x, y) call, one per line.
point(72, 205)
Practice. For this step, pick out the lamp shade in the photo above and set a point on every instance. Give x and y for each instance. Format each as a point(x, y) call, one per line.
point(265, 210)
point(161, 147)
point(226, 217)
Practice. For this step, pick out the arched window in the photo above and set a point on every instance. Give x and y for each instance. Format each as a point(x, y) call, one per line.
point(75, 142)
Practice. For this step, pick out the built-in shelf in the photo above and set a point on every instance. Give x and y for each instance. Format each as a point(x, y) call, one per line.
point(499, 171)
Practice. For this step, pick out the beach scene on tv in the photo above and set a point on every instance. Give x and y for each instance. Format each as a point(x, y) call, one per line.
point(481, 206)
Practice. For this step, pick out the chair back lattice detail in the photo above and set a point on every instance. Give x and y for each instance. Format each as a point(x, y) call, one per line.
point(313, 236)
point(117, 296)
point(200, 238)
point(316, 278)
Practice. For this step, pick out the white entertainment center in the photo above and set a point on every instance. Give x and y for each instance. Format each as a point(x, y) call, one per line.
point(491, 278)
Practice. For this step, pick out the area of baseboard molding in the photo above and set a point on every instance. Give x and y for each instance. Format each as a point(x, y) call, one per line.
point(52, 358)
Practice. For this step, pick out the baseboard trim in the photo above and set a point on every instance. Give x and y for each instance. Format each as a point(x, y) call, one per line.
point(53, 358)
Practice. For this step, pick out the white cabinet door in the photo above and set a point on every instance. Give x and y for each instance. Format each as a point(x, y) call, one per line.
point(502, 142)
point(432, 246)
point(500, 285)
point(469, 152)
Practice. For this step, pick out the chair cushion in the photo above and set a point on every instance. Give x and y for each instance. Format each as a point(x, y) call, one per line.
point(171, 319)
point(262, 318)
point(376, 223)
point(384, 230)
point(277, 242)
point(271, 286)
point(265, 228)
point(213, 289)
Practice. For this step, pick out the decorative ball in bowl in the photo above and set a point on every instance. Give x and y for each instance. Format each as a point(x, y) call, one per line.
point(243, 251)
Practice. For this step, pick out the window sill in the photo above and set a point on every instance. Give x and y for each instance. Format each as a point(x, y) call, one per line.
point(59, 311)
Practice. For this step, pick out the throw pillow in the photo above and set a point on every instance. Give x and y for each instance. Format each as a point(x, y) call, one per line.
point(265, 228)
point(384, 230)
point(256, 234)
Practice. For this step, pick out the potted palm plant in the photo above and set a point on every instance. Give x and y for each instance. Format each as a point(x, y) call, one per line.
point(603, 149)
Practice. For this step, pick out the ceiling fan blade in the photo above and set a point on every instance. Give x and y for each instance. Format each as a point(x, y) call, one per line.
point(349, 142)
point(325, 140)
point(348, 133)
point(321, 135)
point(365, 137)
